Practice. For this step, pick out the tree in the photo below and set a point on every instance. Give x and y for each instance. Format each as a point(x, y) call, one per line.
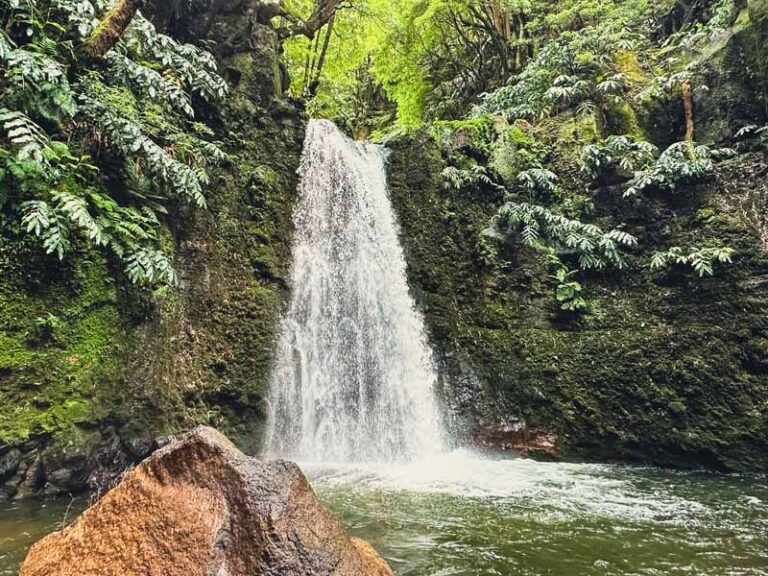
point(111, 28)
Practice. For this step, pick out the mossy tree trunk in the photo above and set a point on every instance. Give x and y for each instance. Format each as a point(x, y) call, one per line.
point(111, 28)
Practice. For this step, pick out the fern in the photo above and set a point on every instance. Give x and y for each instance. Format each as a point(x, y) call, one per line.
point(681, 163)
point(538, 180)
point(701, 260)
point(128, 137)
point(194, 67)
point(29, 139)
point(460, 179)
point(754, 132)
point(617, 152)
point(539, 228)
point(41, 219)
point(148, 82)
point(576, 69)
point(47, 178)
point(75, 208)
point(146, 266)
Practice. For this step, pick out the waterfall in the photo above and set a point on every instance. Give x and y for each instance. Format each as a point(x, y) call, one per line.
point(353, 379)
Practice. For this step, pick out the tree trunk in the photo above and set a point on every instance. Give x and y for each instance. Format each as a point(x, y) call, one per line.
point(323, 52)
point(688, 104)
point(111, 28)
point(323, 12)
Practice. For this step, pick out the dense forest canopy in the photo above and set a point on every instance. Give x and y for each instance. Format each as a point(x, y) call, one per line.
point(607, 69)
point(435, 59)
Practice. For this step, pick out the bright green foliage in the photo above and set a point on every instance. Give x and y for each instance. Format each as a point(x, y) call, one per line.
point(61, 122)
point(617, 152)
point(341, 86)
point(681, 163)
point(579, 71)
point(702, 260)
point(539, 227)
point(514, 152)
point(47, 327)
point(569, 291)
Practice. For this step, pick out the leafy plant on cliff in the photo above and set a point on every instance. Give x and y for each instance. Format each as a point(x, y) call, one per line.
point(66, 119)
point(458, 179)
point(578, 71)
point(702, 260)
point(681, 163)
point(755, 133)
point(538, 181)
point(539, 227)
point(569, 291)
point(617, 153)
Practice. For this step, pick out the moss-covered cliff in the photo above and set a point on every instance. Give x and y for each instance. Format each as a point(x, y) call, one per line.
point(667, 368)
point(642, 364)
point(657, 365)
point(92, 371)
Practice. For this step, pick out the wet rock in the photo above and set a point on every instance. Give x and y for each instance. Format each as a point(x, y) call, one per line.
point(140, 448)
point(516, 437)
point(198, 506)
point(68, 476)
point(106, 463)
point(9, 463)
point(31, 481)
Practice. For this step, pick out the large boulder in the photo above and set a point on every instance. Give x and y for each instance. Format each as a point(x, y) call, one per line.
point(199, 506)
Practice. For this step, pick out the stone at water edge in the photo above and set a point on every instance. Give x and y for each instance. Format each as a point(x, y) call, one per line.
point(200, 507)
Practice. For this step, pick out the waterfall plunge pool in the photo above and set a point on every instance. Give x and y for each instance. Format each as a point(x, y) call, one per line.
point(458, 514)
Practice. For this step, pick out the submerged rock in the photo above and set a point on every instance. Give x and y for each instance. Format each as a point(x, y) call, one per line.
point(201, 507)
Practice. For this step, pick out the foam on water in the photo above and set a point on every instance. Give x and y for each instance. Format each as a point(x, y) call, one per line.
point(579, 489)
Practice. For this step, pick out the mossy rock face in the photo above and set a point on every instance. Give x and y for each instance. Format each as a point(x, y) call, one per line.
point(59, 341)
point(92, 370)
point(731, 80)
point(204, 355)
point(758, 10)
point(669, 369)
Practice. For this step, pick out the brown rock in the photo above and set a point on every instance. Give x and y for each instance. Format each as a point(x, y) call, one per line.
point(518, 438)
point(201, 507)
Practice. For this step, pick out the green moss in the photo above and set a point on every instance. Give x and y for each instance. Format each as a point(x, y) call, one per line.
point(52, 385)
point(621, 119)
point(672, 368)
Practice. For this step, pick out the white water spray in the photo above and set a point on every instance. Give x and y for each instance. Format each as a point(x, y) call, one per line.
point(354, 377)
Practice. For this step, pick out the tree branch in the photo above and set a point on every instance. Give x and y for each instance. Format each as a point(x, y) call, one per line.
point(323, 12)
point(111, 28)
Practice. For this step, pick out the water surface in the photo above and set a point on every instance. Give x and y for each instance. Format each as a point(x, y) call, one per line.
point(457, 514)
point(23, 523)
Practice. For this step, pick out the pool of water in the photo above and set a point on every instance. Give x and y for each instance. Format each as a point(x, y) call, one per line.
point(458, 514)
point(461, 515)
point(23, 523)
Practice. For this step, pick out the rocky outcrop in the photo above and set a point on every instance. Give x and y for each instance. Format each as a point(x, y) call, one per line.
point(200, 507)
point(669, 369)
point(93, 370)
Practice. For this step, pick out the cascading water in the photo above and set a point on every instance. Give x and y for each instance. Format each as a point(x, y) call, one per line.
point(354, 378)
